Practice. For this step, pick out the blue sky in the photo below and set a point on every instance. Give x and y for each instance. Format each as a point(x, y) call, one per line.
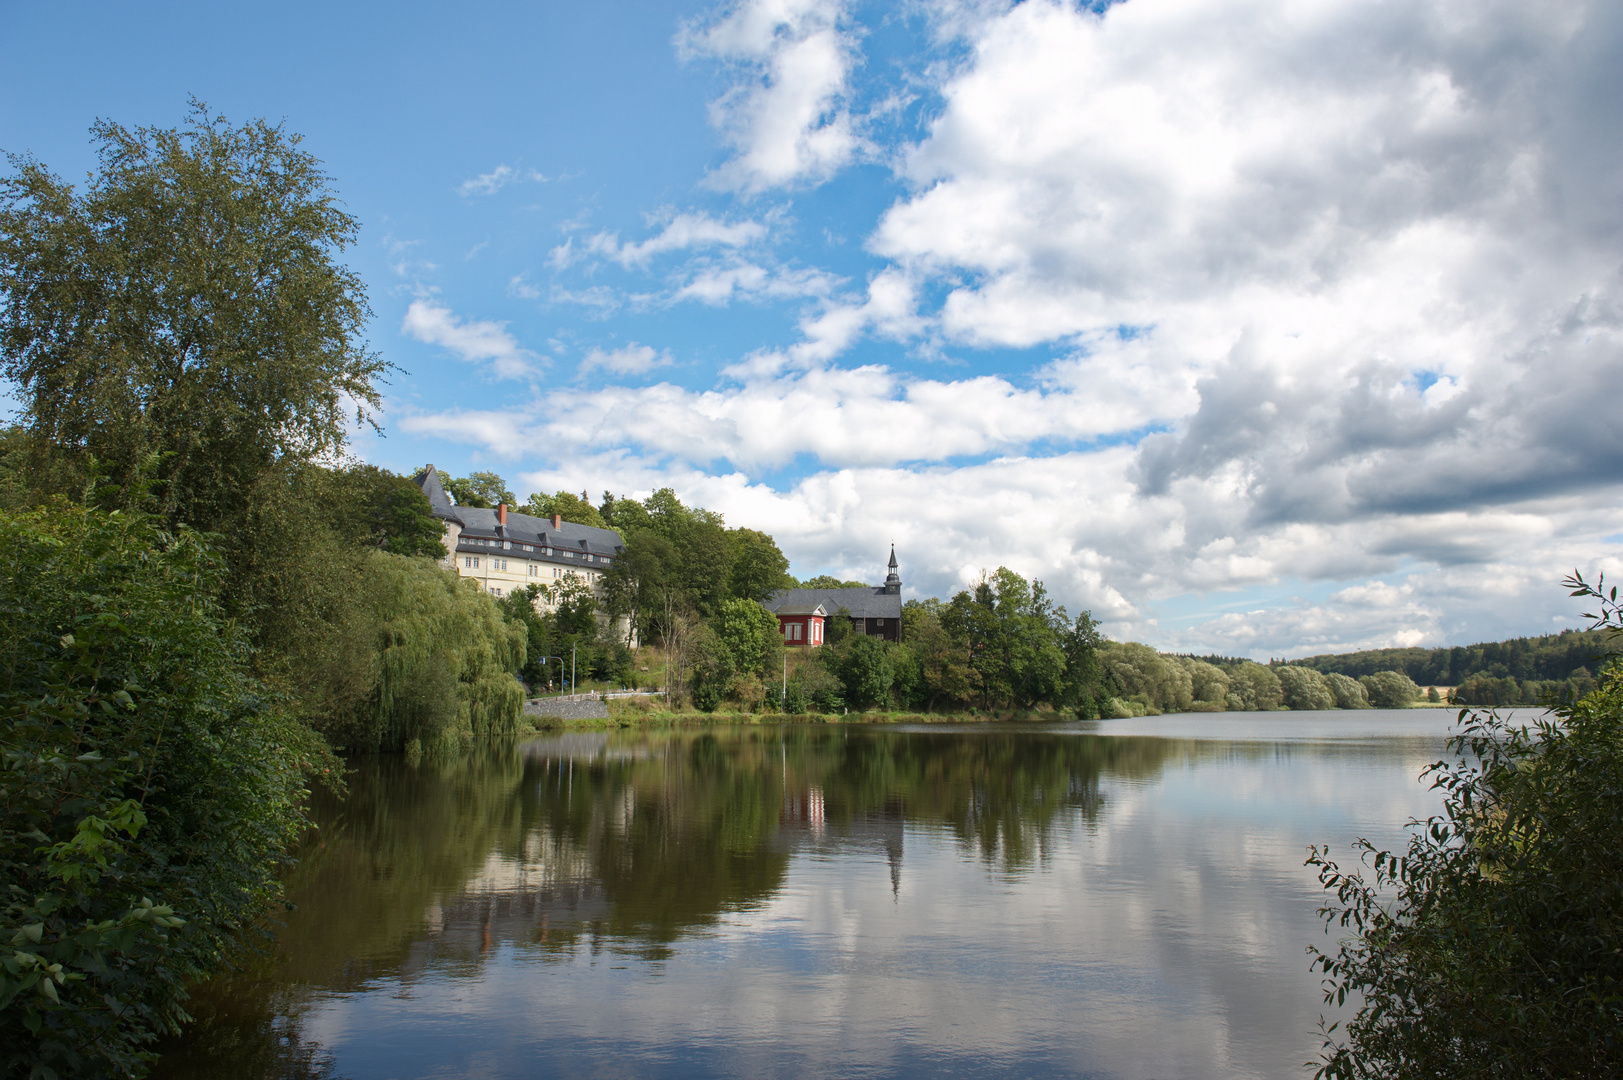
point(1253, 327)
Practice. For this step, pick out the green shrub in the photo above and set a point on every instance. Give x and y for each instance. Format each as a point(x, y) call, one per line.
point(1348, 691)
point(1493, 946)
point(1390, 689)
point(1502, 952)
point(1254, 688)
point(148, 789)
point(1304, 688)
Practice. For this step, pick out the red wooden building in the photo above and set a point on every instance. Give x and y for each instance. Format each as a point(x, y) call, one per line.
point(801, 624)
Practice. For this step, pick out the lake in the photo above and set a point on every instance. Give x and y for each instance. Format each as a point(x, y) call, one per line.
point(1113, 899)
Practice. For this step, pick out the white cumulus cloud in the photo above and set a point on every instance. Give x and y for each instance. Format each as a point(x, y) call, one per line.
point(470, 339)
point(634, 359)
point(1324, 300)
point(786, 116)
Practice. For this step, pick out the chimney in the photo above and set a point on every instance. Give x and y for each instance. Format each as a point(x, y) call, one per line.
point(557, 521)
point(501, 513)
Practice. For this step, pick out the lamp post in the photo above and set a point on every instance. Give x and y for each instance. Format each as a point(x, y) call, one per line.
point(560, 660)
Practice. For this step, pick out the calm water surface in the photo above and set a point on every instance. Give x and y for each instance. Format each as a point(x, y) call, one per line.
point(1115, 899)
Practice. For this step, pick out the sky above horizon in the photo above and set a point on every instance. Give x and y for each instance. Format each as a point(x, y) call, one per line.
point(1256, 327)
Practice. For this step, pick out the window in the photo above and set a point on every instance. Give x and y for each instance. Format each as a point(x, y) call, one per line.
point(504, 564)
point(475, 562)
point(795, 631)
point(467, 561)
point(879, 622)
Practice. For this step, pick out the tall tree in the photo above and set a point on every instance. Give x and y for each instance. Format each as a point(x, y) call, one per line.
point(481, 489)
point(567, 506)
point(184, 319)
point(759, 568)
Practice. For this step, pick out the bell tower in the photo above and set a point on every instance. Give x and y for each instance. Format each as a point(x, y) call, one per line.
point(893, 584)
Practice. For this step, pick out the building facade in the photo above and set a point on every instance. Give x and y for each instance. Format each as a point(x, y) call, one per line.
point(874, 611)
point(505, 551)
point(801, 624)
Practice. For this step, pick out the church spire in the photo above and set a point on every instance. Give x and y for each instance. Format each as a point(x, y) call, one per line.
point(893, 583)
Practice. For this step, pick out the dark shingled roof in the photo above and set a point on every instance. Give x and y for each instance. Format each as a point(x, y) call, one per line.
point(521, 528)
point(863, 603)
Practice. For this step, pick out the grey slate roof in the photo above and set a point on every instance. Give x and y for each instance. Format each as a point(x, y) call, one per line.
point(864, 603)
point(520, 528)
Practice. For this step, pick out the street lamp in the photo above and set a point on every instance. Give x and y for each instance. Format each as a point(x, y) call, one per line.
point(560, 660)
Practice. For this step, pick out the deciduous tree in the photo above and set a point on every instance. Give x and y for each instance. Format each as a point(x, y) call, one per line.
point(183, 318)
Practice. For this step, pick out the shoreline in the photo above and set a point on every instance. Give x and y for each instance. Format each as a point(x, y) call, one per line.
point(623, 717)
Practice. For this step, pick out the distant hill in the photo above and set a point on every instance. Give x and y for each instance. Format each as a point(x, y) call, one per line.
point(1521, 671)
point(1555, 657)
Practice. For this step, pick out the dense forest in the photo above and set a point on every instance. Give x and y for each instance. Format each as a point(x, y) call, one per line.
point(1520, 671)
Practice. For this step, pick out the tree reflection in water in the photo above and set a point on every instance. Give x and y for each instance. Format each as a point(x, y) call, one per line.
point(620, 842)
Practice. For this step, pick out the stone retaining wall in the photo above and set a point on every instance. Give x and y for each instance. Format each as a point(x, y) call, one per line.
point(567, 709)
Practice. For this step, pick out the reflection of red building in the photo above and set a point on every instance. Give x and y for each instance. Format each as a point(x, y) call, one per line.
point(807, 821)
point(801, 624)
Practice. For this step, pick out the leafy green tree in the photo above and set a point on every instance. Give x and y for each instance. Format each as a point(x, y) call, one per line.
point(380, 509)
point(864, 671)
point(644, 583)
point(837, 627)
point(183, 319)
point(907, 673)
point(149, 785)
point(1493, 946)
point(626, 515)
point(1348, 692)
point(576, 605)
point(712, 668)
point(482, 490)
point(1148, 677)
point(446, 660)
point(815, 687)
point(569, 507)
point(1208, 683)
point(750, 633)
point(1304, 688)
point(759, 569)
point(1254, 688)
point(1390, 689)
point(1013, 635)
point(824, 581)
point(945, 674)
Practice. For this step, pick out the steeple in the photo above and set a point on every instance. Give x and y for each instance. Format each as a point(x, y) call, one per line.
point(893, 584)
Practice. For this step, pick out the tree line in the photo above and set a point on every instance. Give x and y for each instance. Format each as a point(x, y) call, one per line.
point(1517, 671)
point(201, 595)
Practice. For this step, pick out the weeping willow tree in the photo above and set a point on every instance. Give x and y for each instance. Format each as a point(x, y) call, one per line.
point(445, 660)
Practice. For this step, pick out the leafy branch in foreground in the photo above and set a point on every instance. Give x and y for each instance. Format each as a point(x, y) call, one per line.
point(148, 786)
point(1493, 945)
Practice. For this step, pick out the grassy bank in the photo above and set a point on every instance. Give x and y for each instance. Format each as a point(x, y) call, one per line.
point(651, 712)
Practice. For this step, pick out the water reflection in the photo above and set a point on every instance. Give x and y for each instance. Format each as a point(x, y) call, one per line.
point(788, 900)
